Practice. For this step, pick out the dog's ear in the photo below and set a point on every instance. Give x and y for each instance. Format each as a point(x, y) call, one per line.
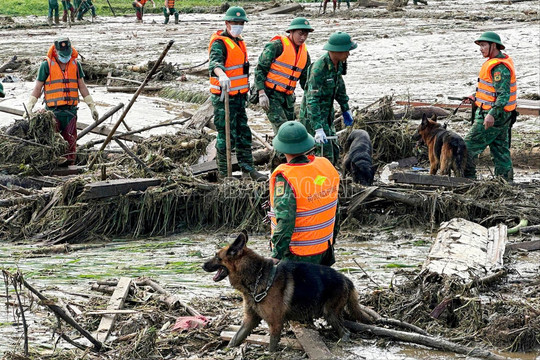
point(434, 117)
point(238, 245)
point(424, 119)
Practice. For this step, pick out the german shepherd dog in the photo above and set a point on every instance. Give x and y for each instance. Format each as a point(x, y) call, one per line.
point(358, 161)
point(446, 149)
point(287, 291)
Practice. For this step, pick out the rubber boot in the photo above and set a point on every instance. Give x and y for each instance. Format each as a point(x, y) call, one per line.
point(72, 15)
point(166, 19)
point(176, 18)
point(64, 17)
point(56, 19)
point(254, 175)
point(50, 21)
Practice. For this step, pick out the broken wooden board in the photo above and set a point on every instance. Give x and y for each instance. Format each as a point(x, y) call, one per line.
point(262, 340)
point(525, 245)
point(285, 9)
point(202, 116)
point(64, 171)
point(524, 106)
point(432, 180)
point(108, 188)
point(311, 342)
point(466, 249)
point(115, 303)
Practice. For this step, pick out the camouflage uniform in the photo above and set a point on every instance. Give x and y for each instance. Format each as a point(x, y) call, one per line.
point(496, 137)
point(84, 6)
point(2, 93)
point(324, 85)
point(240, 131)
point(281, 104)
point(285, 212)
point(53, 8)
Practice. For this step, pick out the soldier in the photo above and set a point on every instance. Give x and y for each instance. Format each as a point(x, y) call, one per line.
point(324, 85)
point(496, 96)
point(67, 6)
point(2, 93)
point(138, 5)
point(229, 72)
point(282, 64)
point(348, 4)
point(62, 78)
point(168, 10)
point(53, 8)
point(84, 6)
point(305, 185)
point(326, 2)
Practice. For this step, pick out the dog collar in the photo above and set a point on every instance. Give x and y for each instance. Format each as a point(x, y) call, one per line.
point(260, 296)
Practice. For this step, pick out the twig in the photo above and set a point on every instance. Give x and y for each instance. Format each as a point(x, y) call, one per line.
point(134, 157)
point(192, 67)
point(25, 141)
point(369, 277)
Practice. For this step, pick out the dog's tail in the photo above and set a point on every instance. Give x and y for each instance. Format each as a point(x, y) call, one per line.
point(460, 156)
point(355, 311)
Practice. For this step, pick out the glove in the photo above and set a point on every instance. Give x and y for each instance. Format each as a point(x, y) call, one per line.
point(320, 136)
point(469, 99)
point(224, 82)
point(264, 101)
point(29, 106)
point(347, 118)
point(153, 5)
point(92, 106)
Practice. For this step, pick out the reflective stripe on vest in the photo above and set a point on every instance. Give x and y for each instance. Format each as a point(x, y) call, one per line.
point(315, 186)
point(286, 69)
point(486, 95)
point(235, 63)
point(62, 87)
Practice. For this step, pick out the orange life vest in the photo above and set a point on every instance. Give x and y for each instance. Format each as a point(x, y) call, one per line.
point(62, 87)
point(143, 2)
point(286, 68)
point(170, 3)
point(485, 91)
point(236, 65)
point(315, 186)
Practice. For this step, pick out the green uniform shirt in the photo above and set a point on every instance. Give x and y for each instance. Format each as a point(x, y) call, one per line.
point(501, 82)
point(285, 213)
point(271, 51)
point(324, 85)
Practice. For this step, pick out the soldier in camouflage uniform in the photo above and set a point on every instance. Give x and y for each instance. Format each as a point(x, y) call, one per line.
point(324, 85)
point(68, 7)
point(277, 75)
point(227, 47)
point(294, 141)
point(496, 100)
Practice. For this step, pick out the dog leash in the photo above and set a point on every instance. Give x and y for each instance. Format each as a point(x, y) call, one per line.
point(260, 296)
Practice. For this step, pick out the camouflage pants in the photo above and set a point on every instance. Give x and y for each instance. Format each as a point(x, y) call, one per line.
point(53, 8)
point(240, 133)
point(281, 110)
point(496, 137)
point(83, 7)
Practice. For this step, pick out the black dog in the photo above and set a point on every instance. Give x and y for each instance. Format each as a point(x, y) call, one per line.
point(358, 159)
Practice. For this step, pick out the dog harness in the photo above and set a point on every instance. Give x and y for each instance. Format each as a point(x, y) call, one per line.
point(315, 186)
point(260, 296)
point(485, 91)
point(286, 69)
point(236, 65)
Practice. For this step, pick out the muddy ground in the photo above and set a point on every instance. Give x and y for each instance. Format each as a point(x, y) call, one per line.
point(421, 53)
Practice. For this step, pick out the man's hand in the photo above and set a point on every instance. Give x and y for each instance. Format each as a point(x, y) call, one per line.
point(320, 136)
point(224, 82)
point(469, 99)
point(153, 5)
point(347, 118)
point(32, 100)
point(92, 106)
point(489, 120)
point(263, 100)
point(275, 260)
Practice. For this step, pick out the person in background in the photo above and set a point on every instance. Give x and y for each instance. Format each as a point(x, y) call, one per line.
point(168, 10)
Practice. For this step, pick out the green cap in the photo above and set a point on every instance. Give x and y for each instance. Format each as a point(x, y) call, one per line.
point(293, 138)
point(299, 23)
point(235, 13)
point(63, 46)
point(491, 37)
point(339, 42)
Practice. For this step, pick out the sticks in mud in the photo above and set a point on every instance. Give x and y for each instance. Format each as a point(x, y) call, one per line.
point(105, 116)
point(131, 102)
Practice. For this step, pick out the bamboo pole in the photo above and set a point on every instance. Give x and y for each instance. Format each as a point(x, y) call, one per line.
point(131, 102)
point(105, 116)
point(228, 134)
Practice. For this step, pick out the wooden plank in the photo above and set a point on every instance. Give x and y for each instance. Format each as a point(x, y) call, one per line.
point(525, 245)
point(115, 303)
point(64, 171)
point(11, 111)
point(311, 342)
point(102, 189)
point(524, 106)
point(263, 340)
point(212, 166)
point(132, 89)
point(105, 130)
point(433, 180)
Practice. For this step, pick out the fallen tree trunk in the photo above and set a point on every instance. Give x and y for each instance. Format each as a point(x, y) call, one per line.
point(440, 344)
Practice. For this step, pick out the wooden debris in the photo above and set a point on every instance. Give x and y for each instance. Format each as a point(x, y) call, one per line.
point(116, 303)
point(524, 106)
point(285, 9)
point(525, 245)
point(104, 117)
point(134, 157)
point(106, 131)
point(466, 249)
point(64, 171)
point(102, 189)
point(311, 342)
point(132, 89)
point(8, 64)
point(263, 340)
point(202, 116)
point(432, 180)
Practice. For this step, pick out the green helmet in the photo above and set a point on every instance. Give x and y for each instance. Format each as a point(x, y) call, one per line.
point(293, 138)
point(339, 42)
point(491, 37)
point(299, 23)
point(235, 13)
